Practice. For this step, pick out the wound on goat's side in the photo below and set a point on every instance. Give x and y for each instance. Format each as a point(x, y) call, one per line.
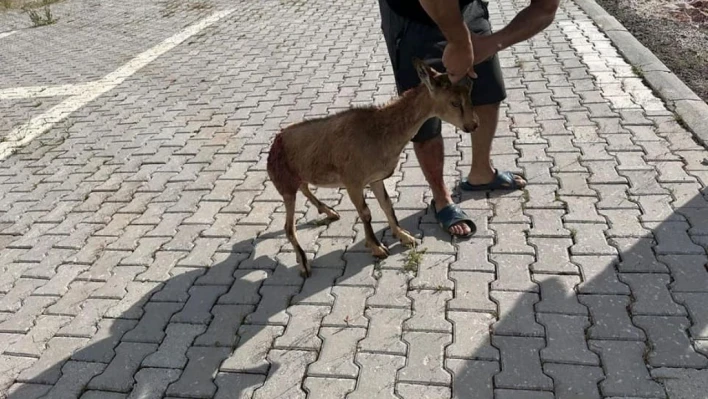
point(284, 178)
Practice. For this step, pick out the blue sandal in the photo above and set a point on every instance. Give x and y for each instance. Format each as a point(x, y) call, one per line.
point(452, 215)
point(502, 180)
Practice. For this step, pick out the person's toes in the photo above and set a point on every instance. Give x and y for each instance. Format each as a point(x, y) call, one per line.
point(520, 181)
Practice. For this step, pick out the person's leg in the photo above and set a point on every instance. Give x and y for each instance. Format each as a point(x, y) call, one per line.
point(405, 40)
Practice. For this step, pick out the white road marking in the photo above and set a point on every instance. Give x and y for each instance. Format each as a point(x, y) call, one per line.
point(6, 34)
point(17, 93)
point(38, 125)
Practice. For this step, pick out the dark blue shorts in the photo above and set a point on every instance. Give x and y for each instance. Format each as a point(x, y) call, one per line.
point(406, 39)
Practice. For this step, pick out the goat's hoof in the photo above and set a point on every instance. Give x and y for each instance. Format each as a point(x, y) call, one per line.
point(332, 215)
point(305, 272)
point(407, 239)
point(379, 251)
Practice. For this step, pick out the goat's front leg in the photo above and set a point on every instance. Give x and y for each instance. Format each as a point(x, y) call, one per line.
point(290, 199)
point(382, 196)
point(356, 194)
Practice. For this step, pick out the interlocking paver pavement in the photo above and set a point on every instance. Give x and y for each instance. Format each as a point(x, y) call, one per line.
point(142, 251)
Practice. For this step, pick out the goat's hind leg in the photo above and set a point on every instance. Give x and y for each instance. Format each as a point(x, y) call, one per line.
point(372, 242)
point(384, 199)
point(289, 200)
point(321, 207)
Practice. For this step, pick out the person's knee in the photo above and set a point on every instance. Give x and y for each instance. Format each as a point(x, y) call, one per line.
point(431, 129)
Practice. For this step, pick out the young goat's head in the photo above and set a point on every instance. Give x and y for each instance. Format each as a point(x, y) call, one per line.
point(452, 102)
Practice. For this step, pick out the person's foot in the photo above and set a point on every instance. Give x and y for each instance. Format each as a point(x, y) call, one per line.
point(492, 179)
point(460, 228)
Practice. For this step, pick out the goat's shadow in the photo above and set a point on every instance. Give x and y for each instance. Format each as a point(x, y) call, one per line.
point(217, 360)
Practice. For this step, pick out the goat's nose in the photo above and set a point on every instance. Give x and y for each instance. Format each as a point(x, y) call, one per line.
point(470, 127)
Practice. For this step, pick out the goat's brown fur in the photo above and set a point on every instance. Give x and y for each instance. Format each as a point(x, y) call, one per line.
point(360, 147)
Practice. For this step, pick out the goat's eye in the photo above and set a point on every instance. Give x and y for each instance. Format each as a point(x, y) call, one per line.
point(456, 103)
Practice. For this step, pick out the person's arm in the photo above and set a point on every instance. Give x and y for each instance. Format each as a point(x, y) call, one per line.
point(530, 21)
point(458, 56)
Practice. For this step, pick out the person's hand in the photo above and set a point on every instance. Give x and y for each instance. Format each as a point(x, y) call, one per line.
point(458, 58)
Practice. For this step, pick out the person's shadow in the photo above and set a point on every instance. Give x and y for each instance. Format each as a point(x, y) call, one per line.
point(226, 329)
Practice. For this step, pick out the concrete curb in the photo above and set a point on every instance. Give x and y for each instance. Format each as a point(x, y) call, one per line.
point(678, 97)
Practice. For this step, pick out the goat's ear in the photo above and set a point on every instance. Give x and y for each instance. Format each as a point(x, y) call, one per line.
point(425, 73)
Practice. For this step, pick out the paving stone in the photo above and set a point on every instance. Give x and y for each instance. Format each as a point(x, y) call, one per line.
point(520, 364)
point(552, 256)
point(223, 327)
point(575, 381)
point(197, 309)
point(566, 339)
point(670, 345)
point(358, 270)
point(348, 309)
point(47, 369)
point(27, 391)
point(519, 394)
point(672, 238)
point(624, 223)
point(547, 223)
point(12, 301)
point(682, 383)
point(432, 273)
point(425, 358)
point(657, 208)
point(153, 382)
point(390, 291)
point(599, 275)
point(590, 240)
point(695, 303)
point(100, 348)
point(637, 256)
point(651, 295)
point(472, 378)
point(131, 306)
point(379, 373)
point(271, 310)
point(334, 388)
point(253, 346)
point(336, 358)
point(688, 272)
point(172, 351)
point(511, 239)
point(116, 284)
point(244, 290)
point(516, 315)
point(384, 334)
point(285, 379)
point(558, 295)
point(643, 182)
point(237, 386)
point(574, 185)
point(626, 373)
point(118, 376)
point(150, 328)
point(429, 312)
point(34, 342)
point(471, 337)
point(301, 332)
point(472, 292)
point(543, 197)
point(610, 317)
point(75, 376)
point(197, 378)
point(513, 273)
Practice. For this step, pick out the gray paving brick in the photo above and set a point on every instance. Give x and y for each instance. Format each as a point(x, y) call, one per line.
point(100, 348)
point(513, 273)
point(47, 369)
point(408, 391)
point(516, 315)
point(391, 290)
point(429, 312)
point(520, 364)
point(116, 284)
point(384, 333)
point(651, 295)
point(575, 381)
point(598, 273)
point(172, 351)
point(520, 394)
point(673, 238)
point(688, 272)
point(75, 376)
point(511, 239)
point(302, 329)
point(574, 185)
point(425, 358)
point(197, 378)
point(153, 382)
point(610, 317)
point(198, 307)
point(558, 295)
point(670, 345)
point(131, 306)
point(223, 327)
point(637, 256)
point(626, 373)
point(253, 346)
point(542, 196)
point(472, 378)
point(657, 208)
point(432, 273)
point(472, 292)
point(12, 301)
point(546, 223)
point(379, 372)
point(34, 342)
point(285, 380)
point(566, 339)
point(643, 182)
point(272, 308)
point(118, 376)
point(150, 328)
point(244, 290)
point(552, 256)
point(348, 309)
point(27, 391)
point(694, 302)
point(590, 239)
point(237, 386)
point(336, 357)
point(471, 337)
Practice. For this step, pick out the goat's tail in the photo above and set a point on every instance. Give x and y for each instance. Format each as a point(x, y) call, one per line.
point(284, 178)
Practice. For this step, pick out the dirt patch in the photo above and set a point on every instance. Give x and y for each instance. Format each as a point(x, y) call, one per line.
point(675, 31)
